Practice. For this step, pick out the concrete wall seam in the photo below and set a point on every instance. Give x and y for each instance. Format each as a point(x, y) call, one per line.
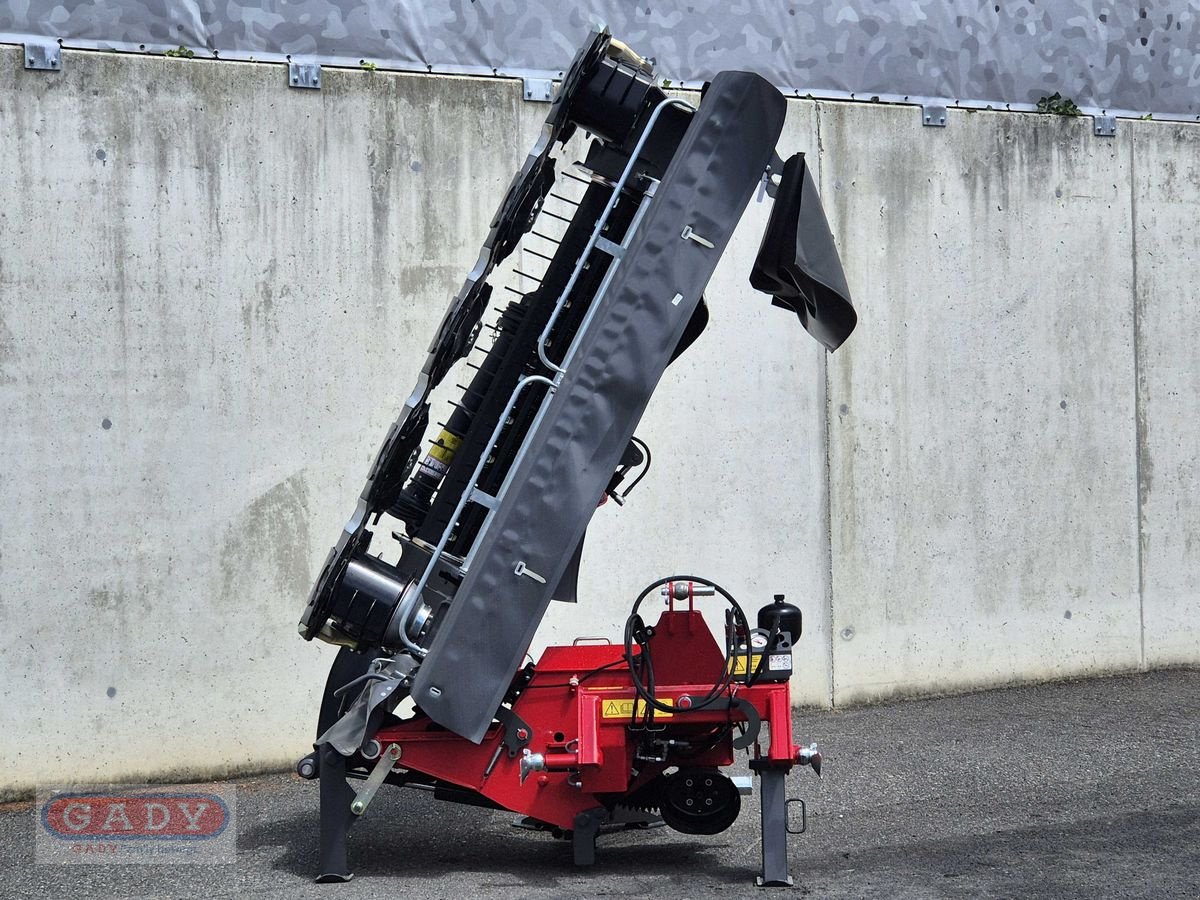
point(1138, 414)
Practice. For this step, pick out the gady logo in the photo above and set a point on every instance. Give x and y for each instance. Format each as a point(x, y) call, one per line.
point(148, 816)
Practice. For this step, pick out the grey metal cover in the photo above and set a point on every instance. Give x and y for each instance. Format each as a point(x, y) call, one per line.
point(1126, 58)
point(589, 420)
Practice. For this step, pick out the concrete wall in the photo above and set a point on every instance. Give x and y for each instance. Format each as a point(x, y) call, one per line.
point(981, 420)
point(215, 293)
point(1013, 428)
point(1165, 214)
point(212, 291)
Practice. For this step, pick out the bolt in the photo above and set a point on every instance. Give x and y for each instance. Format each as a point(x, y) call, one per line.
point(522, 734)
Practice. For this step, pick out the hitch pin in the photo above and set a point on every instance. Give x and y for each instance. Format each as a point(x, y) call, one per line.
point(689, 235)
point(375, 779)
point(521, 569)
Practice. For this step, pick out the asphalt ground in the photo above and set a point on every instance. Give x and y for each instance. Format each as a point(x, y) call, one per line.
point(1085, 789)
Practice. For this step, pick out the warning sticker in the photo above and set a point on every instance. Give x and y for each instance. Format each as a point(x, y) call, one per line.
point(623, 709)
point(738, 663)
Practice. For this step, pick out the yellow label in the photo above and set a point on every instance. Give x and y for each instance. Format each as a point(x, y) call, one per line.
point(738, 663)
point(443, 448)
point(623, 709)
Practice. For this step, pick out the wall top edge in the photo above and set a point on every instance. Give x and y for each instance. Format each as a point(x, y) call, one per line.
point(792, 93)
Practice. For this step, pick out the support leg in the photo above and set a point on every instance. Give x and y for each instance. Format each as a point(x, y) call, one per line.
point(773, 796)
point(583, 839)
point(336, 797)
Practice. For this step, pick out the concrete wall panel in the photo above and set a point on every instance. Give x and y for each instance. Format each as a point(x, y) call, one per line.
point(215, 293)
point(1166, 211)
point(982, 459)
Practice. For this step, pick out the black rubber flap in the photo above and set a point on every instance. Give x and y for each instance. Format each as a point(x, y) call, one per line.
point(798, 263)
point(589, 421)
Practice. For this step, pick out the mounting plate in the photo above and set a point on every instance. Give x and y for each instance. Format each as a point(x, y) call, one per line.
point(46, 55)
point(933, 116)
point(538, 90)
point(1105, 126)
point(304, 75)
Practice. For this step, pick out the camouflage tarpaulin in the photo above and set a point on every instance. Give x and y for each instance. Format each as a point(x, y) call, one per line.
point(1121, 57)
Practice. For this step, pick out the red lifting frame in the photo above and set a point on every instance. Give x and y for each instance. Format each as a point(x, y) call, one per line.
point(583, 715)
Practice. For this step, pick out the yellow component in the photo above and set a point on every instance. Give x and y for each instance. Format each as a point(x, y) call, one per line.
point(444, 447)
point(738, 663)
point(623, 709)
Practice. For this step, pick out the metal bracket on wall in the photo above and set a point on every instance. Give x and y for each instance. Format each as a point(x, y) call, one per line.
point(304, 75)
point(934, 116)
point(1105, 126)
point(538, 90)
point(43, 55)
